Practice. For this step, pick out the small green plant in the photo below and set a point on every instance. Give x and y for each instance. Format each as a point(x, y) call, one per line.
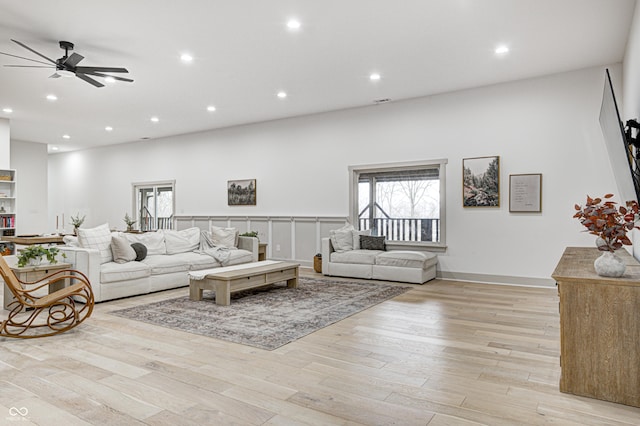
point(129, 221)
point(77, 221)
point(36, 253)
point(250, 234)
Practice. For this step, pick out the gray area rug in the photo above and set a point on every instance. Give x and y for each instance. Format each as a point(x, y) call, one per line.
point(267, 317)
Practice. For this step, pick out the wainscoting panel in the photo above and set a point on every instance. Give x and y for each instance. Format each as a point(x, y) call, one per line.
point(298, 237)
point(280, 242)
point(305, 238)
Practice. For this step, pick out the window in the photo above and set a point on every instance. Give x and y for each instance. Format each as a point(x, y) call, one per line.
point(404, 202)
point(154, 204)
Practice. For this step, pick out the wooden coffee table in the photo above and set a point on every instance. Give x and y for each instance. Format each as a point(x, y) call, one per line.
point(257, 274)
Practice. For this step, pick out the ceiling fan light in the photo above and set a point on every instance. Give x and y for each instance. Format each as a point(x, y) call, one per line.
point(110, 79)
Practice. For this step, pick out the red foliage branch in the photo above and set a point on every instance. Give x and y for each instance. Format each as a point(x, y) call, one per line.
point(607, 221)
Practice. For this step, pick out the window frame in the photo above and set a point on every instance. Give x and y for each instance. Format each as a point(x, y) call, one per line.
point(137, 186)
point(354, 175)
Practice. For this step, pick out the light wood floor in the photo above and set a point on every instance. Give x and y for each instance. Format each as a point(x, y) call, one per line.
point(444, 353)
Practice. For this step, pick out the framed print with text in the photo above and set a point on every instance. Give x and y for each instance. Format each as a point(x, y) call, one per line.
point(525, 193)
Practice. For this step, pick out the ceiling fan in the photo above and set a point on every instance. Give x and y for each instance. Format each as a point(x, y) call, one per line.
point(68, 65)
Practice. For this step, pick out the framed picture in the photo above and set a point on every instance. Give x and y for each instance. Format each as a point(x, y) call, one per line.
point(241, 192)
point(525, 193)
point(481, 182)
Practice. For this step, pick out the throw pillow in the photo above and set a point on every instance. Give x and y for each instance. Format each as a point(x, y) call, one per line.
point(356, 237)
point(71, 241)
point(372, 243)
point(153, 241)
point(342, 239)
point(227, 237)
point(122, 250)
point(141, 251)
point(97, 238)
point(182, 241)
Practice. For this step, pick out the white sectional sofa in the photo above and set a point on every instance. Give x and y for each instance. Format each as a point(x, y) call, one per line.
point(397, 265)
point(170, 256)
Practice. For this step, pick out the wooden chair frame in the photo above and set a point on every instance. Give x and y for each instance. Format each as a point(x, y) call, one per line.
point(50, 314)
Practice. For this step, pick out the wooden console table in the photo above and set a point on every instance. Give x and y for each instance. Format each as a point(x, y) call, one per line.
point(35, 273)
point(262, 251)
point(599, 328)
point(29, 240)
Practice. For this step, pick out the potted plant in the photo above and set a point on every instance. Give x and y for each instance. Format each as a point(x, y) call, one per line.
point(610, 223)
point(129, 221)
point(250, 234)
point(32, 255)
point(77, 222)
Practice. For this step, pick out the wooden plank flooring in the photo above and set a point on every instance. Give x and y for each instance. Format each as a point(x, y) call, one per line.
point(444, 353)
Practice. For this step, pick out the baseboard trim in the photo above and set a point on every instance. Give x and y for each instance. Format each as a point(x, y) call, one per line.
point(497, 279)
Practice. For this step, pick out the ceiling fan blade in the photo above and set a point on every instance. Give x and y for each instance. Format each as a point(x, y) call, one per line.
point(55, 75)
point(31, 50)
point(99, 74)
point(22, 57)
point(73, 59)
point(89, 79)
point(100, 69)
point(29, 66)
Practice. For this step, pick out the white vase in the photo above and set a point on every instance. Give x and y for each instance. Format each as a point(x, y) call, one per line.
point(34, 261)
point(609, 265)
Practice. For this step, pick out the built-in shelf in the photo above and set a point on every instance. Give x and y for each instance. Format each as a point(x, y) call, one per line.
point(8, 203)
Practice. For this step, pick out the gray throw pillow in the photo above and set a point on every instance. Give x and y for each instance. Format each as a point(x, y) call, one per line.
point(372, 243)
point(141, 251)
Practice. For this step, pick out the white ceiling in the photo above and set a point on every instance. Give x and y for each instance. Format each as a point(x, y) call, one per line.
point(244, 54)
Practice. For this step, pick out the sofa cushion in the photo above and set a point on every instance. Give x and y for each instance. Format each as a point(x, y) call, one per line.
point(197, 261)
point(154, 241)
point(239, 256)
point(122, 250)
point(227, 237)
point(114, 272)
point(182, 241)
point(97, 238)
point(372, 243)
point(406, 259)
point(165, 263)
point(342, 239)
point(362, 257)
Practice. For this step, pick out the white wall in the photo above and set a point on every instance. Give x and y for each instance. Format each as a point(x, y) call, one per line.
point(30, 161)
point(631, 71)
point(545, 125)
point(5, 144)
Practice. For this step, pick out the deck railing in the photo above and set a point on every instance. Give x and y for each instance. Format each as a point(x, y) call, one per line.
point(403, 229)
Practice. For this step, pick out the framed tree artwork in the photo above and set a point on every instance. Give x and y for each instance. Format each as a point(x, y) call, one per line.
point(481, 182)
point(241, 192)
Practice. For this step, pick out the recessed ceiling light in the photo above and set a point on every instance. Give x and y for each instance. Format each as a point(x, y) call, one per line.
point(185, 57)
point(66, 137)
point(374, 77)
point(501, 50)
point(110, 79)
point(293, 24)
point(108, 128)
point(155, 119)
point(52, 97)
point(282, 94)
point(54, 148)
point(7, 110)
point(211, 108)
